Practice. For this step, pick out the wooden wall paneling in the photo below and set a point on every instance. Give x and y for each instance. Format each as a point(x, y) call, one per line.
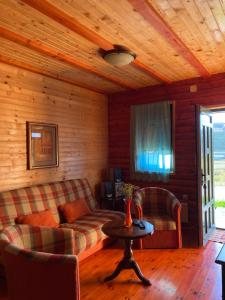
point(83, 129)
point(184, 181)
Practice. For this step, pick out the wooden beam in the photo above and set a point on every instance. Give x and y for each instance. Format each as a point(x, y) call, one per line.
point(40, 71)
point(66, 20)
point(138, 65)
point(150, 14)
point(41, 48)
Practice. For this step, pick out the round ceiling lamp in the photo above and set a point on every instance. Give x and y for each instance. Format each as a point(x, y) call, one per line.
point(119, 56)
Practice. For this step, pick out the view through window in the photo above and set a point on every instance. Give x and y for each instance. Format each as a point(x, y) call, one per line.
point(219, 167)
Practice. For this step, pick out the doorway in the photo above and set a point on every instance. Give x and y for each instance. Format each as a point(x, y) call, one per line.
point(211, 173)
point(218, 119)
point(205, 175)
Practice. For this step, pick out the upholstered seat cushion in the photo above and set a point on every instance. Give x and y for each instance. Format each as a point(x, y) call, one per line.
point(161, 222)
point(87, 229)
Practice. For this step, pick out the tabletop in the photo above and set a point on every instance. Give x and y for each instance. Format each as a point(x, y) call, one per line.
point(117, 229)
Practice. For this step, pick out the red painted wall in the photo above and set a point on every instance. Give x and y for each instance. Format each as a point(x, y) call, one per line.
point(210, 92)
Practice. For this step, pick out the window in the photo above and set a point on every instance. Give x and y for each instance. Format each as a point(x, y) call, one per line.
point(151, 140)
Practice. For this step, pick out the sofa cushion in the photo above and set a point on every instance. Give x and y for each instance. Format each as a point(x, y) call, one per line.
point(43, 218)
point(87, 229)
point(74, 210)
point(161, 222)
point(12, 234)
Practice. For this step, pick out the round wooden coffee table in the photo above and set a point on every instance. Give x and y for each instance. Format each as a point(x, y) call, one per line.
point(118, 230)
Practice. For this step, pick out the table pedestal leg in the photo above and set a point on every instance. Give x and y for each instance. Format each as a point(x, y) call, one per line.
point(128, 262)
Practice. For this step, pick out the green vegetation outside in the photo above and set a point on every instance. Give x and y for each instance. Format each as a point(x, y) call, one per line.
point(219, 162)
point(219, 179)
point(219, 203)
point(219, 173)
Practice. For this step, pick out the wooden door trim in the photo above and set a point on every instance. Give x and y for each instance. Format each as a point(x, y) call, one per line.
point(204, 236)
point(199, 174)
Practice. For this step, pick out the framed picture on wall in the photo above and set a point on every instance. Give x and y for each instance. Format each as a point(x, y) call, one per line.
point(42, 145)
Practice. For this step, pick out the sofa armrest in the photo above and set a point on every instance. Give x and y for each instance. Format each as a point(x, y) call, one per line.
point(36, 275)
point(51, 240)
point(43, 239)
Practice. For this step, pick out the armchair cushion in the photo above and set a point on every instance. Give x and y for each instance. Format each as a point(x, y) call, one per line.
point(161, 222)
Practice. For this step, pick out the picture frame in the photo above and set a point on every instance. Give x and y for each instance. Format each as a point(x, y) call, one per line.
point(42, 145)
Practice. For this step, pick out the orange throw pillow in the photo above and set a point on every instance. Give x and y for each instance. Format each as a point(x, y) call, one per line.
point(74, 210)
point(43, 218)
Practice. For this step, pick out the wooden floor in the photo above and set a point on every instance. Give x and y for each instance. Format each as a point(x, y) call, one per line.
point(183, 274)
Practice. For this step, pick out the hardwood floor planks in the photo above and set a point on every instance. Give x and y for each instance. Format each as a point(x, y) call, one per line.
point(183, 274)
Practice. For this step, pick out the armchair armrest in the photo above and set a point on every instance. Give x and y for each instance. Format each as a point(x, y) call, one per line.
point(176, 213)
point(137, 200)
point(174, 207)
point(36, 275)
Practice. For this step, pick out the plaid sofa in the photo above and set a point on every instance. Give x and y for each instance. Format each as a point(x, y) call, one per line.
point(36, 261)
point(86, 230)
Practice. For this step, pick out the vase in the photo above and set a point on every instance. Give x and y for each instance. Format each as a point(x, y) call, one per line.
point(128, 219)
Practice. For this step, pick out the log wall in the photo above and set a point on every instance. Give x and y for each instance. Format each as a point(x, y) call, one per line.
point(82, 120)
point(210, 92)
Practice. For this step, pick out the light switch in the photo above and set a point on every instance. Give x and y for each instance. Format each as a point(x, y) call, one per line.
point(193, 88)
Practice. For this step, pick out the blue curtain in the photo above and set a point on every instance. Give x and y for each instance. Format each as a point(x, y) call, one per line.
point(151, 141)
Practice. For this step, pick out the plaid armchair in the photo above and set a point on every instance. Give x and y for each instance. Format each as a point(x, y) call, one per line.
point(39, 263)
point(161, 208)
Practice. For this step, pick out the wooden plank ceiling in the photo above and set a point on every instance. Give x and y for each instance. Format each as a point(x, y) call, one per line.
point(173, 40)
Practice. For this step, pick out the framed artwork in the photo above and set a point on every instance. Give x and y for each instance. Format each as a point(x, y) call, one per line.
point(42, 145)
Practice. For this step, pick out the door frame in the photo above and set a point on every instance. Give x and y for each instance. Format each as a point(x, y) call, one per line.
point(199, 173)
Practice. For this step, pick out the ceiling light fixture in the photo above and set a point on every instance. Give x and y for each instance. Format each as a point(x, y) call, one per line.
point(119, 56)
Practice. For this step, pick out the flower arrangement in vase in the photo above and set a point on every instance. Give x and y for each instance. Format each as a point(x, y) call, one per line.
point(128, 191)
